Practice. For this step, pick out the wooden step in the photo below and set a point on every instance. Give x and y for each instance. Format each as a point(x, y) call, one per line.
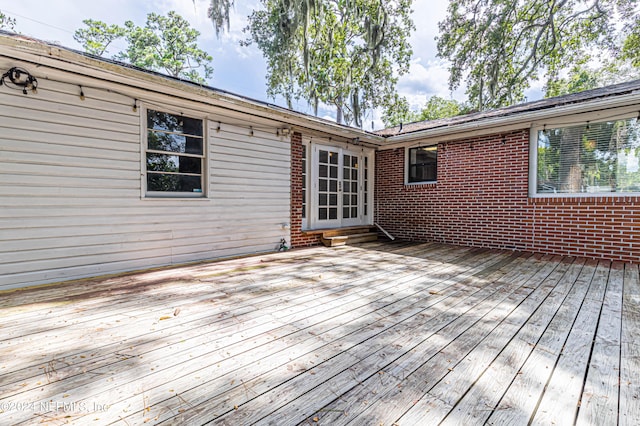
point(336, 232)
point(362, 238)
point(335, 241)
point(333, 238)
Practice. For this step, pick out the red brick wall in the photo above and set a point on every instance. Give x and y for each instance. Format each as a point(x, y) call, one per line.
point(481, 199)
point(298, 238)
point(599, 227)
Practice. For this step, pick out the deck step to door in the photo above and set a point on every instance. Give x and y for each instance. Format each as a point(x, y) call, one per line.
point(337, 232)
point(340, 237)
point(362, 238)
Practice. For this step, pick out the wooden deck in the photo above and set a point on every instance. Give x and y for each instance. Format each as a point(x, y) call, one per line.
point(376, 334)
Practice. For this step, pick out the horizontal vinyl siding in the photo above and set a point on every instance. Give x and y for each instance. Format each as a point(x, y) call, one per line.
point(249, 189)
point(70, 189)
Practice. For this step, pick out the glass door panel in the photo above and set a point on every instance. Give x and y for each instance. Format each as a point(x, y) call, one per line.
point(350, 189)
point(328, 186)
point(338, 188)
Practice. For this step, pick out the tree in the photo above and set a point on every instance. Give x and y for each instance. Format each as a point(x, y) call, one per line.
point(7, 22)
point(631, 44)
point(218, 12)
point(578, 80)
point(398, 111)
point(165, 43)
point(498, 47)
point(435, 108)
point(97, 37)
point(344, 53)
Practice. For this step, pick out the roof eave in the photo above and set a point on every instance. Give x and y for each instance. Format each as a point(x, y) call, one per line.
point(520, 120)
point(49, 55)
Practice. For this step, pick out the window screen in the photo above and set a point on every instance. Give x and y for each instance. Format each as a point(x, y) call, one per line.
point(590, 158)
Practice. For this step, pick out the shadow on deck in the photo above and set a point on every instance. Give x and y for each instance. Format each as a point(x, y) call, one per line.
point(377, 333)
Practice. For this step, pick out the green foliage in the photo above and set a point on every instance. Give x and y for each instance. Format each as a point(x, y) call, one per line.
point(343, 53)
point(7, 22)
point(398, 110)
point(97, 37)
point(165, 43)
point(497, 47)
point(631, 45)
point(578, 80)
point(438, 107)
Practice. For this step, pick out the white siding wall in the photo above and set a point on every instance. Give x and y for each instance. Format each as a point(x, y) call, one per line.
point(70, 189)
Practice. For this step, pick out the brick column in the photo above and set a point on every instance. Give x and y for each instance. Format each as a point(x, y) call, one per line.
point(298, 239)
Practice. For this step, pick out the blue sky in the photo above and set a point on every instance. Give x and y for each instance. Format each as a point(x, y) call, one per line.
point(237, 69)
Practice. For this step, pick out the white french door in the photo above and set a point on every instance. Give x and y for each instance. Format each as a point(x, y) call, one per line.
point(339, 182)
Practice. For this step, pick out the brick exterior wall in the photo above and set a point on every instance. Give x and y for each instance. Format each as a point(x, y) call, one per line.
point(298, 238)
point(481, 200)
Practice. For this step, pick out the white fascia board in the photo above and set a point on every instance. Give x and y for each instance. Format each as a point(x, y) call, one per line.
point(42, 54)
point(588, 110)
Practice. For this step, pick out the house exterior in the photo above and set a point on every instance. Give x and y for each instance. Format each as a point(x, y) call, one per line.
point(109, 168)
point(558, 176)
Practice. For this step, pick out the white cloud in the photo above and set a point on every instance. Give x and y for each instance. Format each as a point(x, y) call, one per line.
point(57, 21)
point(236, 68)
point(535, 91)
point(426, 80)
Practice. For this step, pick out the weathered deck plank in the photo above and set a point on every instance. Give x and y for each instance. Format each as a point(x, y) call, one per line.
point(599, 400)
point(327, 357)
point(521, 397)
point(479, 402)
point(559, 403)
point(375, 359)
point(630, 349)
point(233, 322)
point(404, 380)
point(369, 334)
point(254, 296)
point(443, 395)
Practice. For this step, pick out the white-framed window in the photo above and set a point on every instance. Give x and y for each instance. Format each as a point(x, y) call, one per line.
point(587, 158)
point(422, 164)
point(174, 155)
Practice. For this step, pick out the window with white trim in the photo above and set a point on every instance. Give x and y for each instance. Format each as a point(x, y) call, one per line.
point(175, 158)
point(423, 164)
point(602, 157)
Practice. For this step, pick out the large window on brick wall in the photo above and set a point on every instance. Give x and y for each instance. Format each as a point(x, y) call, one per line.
point(587, 158)
point(422, 164)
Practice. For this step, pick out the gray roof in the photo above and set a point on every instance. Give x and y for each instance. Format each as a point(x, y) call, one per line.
point(228, 94)
point(542, 104)
point(133, 67)
point(408, 128)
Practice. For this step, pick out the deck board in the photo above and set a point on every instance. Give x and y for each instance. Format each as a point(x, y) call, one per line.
point(599, 401)
point(299, 343)
point(630, 348)
point(520, 398)
point(376, 333)
point(559, 403)
point(489, 335)
point(479, 401)
point(371, 402)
